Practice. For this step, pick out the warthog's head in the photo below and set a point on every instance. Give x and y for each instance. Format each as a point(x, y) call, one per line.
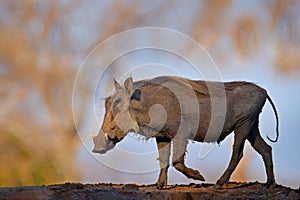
point(117, 120)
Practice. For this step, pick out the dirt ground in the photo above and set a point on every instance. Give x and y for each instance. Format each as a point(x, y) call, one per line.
point(131, 191)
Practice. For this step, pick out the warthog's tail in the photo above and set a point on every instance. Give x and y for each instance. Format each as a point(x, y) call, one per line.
point(277, 120)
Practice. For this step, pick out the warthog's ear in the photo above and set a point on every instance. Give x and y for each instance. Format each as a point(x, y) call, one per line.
point(128, 84)
point(118, 87)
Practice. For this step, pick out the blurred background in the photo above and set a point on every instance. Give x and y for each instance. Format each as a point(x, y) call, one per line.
point(43, 43)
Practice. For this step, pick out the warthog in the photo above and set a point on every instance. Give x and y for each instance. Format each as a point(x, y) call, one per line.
point(162, 108)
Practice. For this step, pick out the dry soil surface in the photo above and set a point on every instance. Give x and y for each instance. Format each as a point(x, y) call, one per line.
point(131, 191)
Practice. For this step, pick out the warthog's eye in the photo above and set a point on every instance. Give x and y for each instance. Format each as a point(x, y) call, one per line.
point(116, 105)
point(117, 101)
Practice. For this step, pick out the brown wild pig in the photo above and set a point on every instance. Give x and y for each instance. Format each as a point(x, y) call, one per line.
point(163, 108)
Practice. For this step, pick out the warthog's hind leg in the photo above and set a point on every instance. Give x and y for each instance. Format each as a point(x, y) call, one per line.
point(240, 135)
point(164, 146)
point(265, 151)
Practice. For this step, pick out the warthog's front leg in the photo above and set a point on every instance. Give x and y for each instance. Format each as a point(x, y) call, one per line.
point(179, 148)
point(164, 146)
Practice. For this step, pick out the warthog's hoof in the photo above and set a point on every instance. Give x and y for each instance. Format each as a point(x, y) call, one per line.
point(199, 177)
point(160, 186)
point(217, 186)
point(270, 184)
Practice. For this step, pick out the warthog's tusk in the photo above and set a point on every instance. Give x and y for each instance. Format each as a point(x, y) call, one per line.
point(106, 136)
point(135, 127)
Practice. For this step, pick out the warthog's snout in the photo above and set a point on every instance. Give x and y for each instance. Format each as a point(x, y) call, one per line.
point(101, 151)
point(102, 143)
